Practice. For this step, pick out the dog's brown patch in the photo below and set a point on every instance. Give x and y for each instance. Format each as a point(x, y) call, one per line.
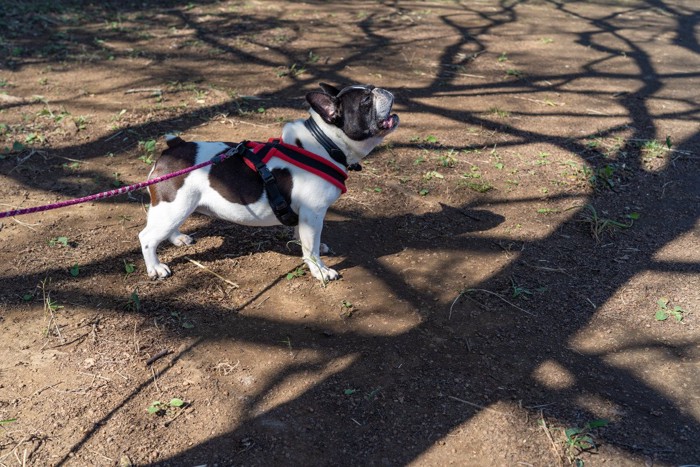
point(179, 155)
point(237, 183)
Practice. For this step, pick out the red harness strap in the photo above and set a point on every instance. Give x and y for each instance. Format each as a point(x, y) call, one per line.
point(302, 158)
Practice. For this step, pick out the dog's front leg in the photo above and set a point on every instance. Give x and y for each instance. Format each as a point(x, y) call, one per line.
point(309, 233)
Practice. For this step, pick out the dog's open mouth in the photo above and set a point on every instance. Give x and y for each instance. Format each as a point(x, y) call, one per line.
point(390, 123)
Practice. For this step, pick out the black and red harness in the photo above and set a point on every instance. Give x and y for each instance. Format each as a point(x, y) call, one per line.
point(256, 155)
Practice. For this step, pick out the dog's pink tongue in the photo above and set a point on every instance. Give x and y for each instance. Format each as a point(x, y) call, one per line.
point(389, 122)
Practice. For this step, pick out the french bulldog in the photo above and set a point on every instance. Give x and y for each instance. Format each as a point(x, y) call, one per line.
point(343, 127)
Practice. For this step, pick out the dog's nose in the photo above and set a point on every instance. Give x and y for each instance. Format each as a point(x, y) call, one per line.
point(384, 94)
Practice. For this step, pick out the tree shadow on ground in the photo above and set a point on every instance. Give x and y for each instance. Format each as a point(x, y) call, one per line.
point(416, 385)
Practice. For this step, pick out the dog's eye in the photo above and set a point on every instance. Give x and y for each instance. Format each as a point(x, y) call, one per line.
point(366, 100)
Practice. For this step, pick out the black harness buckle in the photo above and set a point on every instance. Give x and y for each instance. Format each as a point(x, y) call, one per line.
point(282, 210)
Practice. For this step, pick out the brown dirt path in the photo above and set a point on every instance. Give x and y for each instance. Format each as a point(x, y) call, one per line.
point(503, 255)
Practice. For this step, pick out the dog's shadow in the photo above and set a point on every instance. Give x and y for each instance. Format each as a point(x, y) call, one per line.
point(355, 238)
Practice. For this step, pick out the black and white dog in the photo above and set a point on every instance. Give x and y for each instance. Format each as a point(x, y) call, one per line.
point(344, 126)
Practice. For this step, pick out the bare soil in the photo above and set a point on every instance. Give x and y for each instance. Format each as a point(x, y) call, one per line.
point(502, 255)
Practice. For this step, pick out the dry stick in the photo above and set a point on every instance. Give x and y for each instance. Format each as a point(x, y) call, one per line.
point(539, 101)
point(491, 293)
point(549, 435)
point(137, 348)
point(168, 422)
point(152, 90)
point(14, 450)
point(155, 381)
point(200, 265)
point(157, 356)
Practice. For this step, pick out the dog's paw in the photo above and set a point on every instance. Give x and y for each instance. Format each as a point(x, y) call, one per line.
point(181, 240)
point(159, 271)
point(324, 274)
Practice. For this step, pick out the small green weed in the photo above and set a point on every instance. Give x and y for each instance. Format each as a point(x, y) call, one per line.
point(347, 309)
point(129, 268)
point(298, 272)
point(431, 139)
point(514, 73)
point(33, 138)
point(294, 70)
point(520, 291)
point(163, 408)
point(580, 440)
point(542, 159)
point(599, 177)
point(372, 395)
point(498, 112)
point(448, 160)
point(149, 148)
point(116, 182)
point(654, 149)
point(478, 186)
point(431, 174)
point(503, 57)
point(81, 122)
point(7, 421)
point(74, 270)
point(181, 320)
point(663, 311)
point(63, 241)
point(600, 225)
point(134, 302)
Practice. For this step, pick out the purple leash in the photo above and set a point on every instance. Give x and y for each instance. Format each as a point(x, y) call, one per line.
point(126, 189)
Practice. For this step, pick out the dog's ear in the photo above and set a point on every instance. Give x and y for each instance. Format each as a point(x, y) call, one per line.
point(324, 105)
point(330, 89)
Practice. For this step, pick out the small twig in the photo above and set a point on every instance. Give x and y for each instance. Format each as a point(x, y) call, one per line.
point(39, 391)
point(137, 348)
point(188, 409)
point(23, 160)
point(155, 380)
point(29, 226)
point(549, 435)
point(247, 123)
point(539, 101)
point(155, 91)
point(200, 265)
point(157, 356)
point(113, 136)
point(95, 376)
point(463, 74)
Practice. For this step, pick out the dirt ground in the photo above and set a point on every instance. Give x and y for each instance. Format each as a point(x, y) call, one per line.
point(520, 261)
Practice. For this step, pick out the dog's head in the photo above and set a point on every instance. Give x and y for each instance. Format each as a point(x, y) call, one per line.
point(362, 113)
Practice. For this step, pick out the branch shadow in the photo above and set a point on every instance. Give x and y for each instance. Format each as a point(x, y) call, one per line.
point(413, 384)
